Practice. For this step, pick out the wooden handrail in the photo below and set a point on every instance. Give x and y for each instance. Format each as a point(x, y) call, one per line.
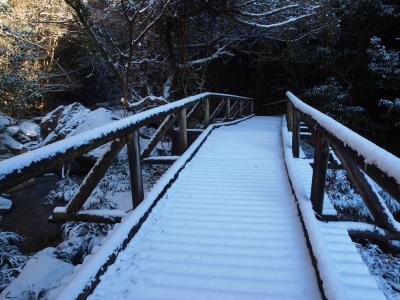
point(357, 154)
point(20, 168)
point(123, 132)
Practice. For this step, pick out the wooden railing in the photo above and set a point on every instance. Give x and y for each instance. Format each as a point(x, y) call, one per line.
point(358, 156)
point(123, 132)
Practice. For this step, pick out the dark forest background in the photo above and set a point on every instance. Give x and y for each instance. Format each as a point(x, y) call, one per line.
point(343, 57)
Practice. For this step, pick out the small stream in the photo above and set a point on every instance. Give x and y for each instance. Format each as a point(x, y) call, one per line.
point(29, 214)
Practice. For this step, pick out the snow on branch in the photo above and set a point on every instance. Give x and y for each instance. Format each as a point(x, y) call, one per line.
point(220, 51)
point(267, 13)
point(149, 101)
point(274, 25)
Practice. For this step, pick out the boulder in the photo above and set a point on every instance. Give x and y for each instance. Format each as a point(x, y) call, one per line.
point(12, 130)
point(5, 121)
point(30, 130)
point(49, 122)
point(12, 145)
point(21, 138)
point(5, 204)
point(70, 118)
point(41, 275)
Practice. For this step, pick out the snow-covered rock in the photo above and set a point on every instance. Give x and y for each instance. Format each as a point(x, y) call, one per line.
point(5, 204)
point(50, 121)
point(29, 129)
point(41, 274)
point(71, 117)
point(71, 120)
point(5, 121)
point(96, 118)
point(12, 145)
point(12, 130)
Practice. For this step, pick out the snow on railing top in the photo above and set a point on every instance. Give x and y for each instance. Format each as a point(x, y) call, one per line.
point(370, 152)
point(81, 143)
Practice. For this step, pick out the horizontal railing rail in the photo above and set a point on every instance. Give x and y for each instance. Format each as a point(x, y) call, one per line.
point(21, 168)
point(358, 156)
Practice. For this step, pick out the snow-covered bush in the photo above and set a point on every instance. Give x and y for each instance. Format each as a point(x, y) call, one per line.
point(328, 94)
point(64, 190)
point(390, 107)
point(79, 240)
point(343, 195)
point(11, 259)
point(385, 64)
point(385, 268)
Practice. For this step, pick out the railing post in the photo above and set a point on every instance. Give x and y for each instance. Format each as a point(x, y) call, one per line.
point(183, 141)
point(240, 114)
point(206, 112)
point(252, 106)
point(321, 156)
point(296, 134)
point(93, 177)
point(289, 115)
point(375, 204)
point(135, 168)
point(228, 108)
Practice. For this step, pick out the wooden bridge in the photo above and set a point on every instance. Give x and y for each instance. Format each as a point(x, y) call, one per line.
point(240, 214)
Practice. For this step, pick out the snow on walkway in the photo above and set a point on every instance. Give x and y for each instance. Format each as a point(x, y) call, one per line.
point(228, 228)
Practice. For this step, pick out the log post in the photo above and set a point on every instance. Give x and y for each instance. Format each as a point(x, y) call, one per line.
point(374, 202)
point(289, 115)
point(93, 177)
point(217, 111)
point(206, 112)
point(319, 172)
point(228, 108)
point(296, 135)
point(240, 114)
point(252, 106)
point(160, 132)
point(183, 140)
point(135, 168)
point(193, 111)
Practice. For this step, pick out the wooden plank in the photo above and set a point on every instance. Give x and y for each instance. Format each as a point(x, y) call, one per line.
point(60, 215)
point(157, 136)
point(319, 172)
point(160, 160)
point(182, 122)
point(376, 205)
point(94, 176)
point(296, 135)
point(375, 236)
point(135, 168)
point(122, 241)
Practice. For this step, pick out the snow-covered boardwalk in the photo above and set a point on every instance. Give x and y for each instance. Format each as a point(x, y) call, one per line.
point(228, 228)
